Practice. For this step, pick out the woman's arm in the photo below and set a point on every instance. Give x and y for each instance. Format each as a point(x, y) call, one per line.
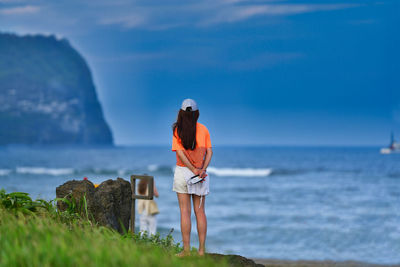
point(155, 192)
point(187, 163)
point(207, 160)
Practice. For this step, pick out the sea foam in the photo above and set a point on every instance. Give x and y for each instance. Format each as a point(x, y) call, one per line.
point(251, 172)
point(4, 172)
point(42, 170)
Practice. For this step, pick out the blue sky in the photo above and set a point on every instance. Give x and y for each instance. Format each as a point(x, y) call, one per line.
point(268, 72)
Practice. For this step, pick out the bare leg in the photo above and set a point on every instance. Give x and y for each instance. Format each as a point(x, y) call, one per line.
point(184, 205)
point(201, 220)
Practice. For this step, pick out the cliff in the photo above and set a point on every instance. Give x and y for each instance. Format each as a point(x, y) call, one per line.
point(47, 95)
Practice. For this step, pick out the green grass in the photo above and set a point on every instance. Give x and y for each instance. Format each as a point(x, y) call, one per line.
point(34, 233)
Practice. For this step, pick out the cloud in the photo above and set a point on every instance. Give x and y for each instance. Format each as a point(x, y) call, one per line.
point(132, 21)
point(19, 10)
point(202, 13)
point(11, 1)
point(152, 14)
point(239, 13)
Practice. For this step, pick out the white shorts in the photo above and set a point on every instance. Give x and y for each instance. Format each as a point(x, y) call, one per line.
point(180, 185)
point(182, 175)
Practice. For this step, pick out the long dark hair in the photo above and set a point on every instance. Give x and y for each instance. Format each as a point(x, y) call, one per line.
point(185, 127)
point(142, 187)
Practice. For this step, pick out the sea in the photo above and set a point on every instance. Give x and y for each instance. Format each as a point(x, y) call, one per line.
point(312, 203)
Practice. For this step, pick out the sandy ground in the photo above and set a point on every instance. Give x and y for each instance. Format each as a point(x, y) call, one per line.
point(301, 263)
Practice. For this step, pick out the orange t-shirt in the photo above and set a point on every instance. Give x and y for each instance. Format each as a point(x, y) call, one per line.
point(196, 156)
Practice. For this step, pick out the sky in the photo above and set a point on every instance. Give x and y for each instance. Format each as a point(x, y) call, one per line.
point(263, 72)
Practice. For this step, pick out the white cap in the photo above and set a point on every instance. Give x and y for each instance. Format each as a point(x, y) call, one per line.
point(189, 103)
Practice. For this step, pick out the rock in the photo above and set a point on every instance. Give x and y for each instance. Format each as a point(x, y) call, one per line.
point(47, 94)
point(112, 204)
point(75, 190)
point(109, 204)
point(235, 260)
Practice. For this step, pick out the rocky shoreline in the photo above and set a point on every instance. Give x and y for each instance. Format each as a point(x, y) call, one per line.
point(240, 261)
point(312, 263)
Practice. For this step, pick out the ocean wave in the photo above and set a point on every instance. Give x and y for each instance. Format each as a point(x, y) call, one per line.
point(285, 172)
point(228, 171)
point(394, 175)
point(247, 172)
point(100, 171)
point(250, 172)
point(122, 172)
point(4, 172)
point(43, 170)
point(162, 169)
point(165, 170)
point(153, 167)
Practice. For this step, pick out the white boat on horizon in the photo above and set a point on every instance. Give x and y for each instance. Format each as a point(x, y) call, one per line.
point(393, 147)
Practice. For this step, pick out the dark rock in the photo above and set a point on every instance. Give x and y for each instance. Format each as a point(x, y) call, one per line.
point(109, 204)
point(75, 190)
point(234, 260)
point(112, 204)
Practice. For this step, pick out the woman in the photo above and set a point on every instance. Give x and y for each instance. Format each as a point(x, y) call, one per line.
point(147, 209)
point(191, 141)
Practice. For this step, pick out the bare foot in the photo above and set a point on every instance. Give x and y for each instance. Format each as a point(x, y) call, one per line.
point(183, 254)
point(201, 252)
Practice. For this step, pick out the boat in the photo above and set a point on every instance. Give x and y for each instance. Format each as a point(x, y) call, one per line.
point(393, 147)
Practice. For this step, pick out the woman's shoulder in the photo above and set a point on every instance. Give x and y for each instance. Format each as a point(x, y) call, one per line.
point(202, 127)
